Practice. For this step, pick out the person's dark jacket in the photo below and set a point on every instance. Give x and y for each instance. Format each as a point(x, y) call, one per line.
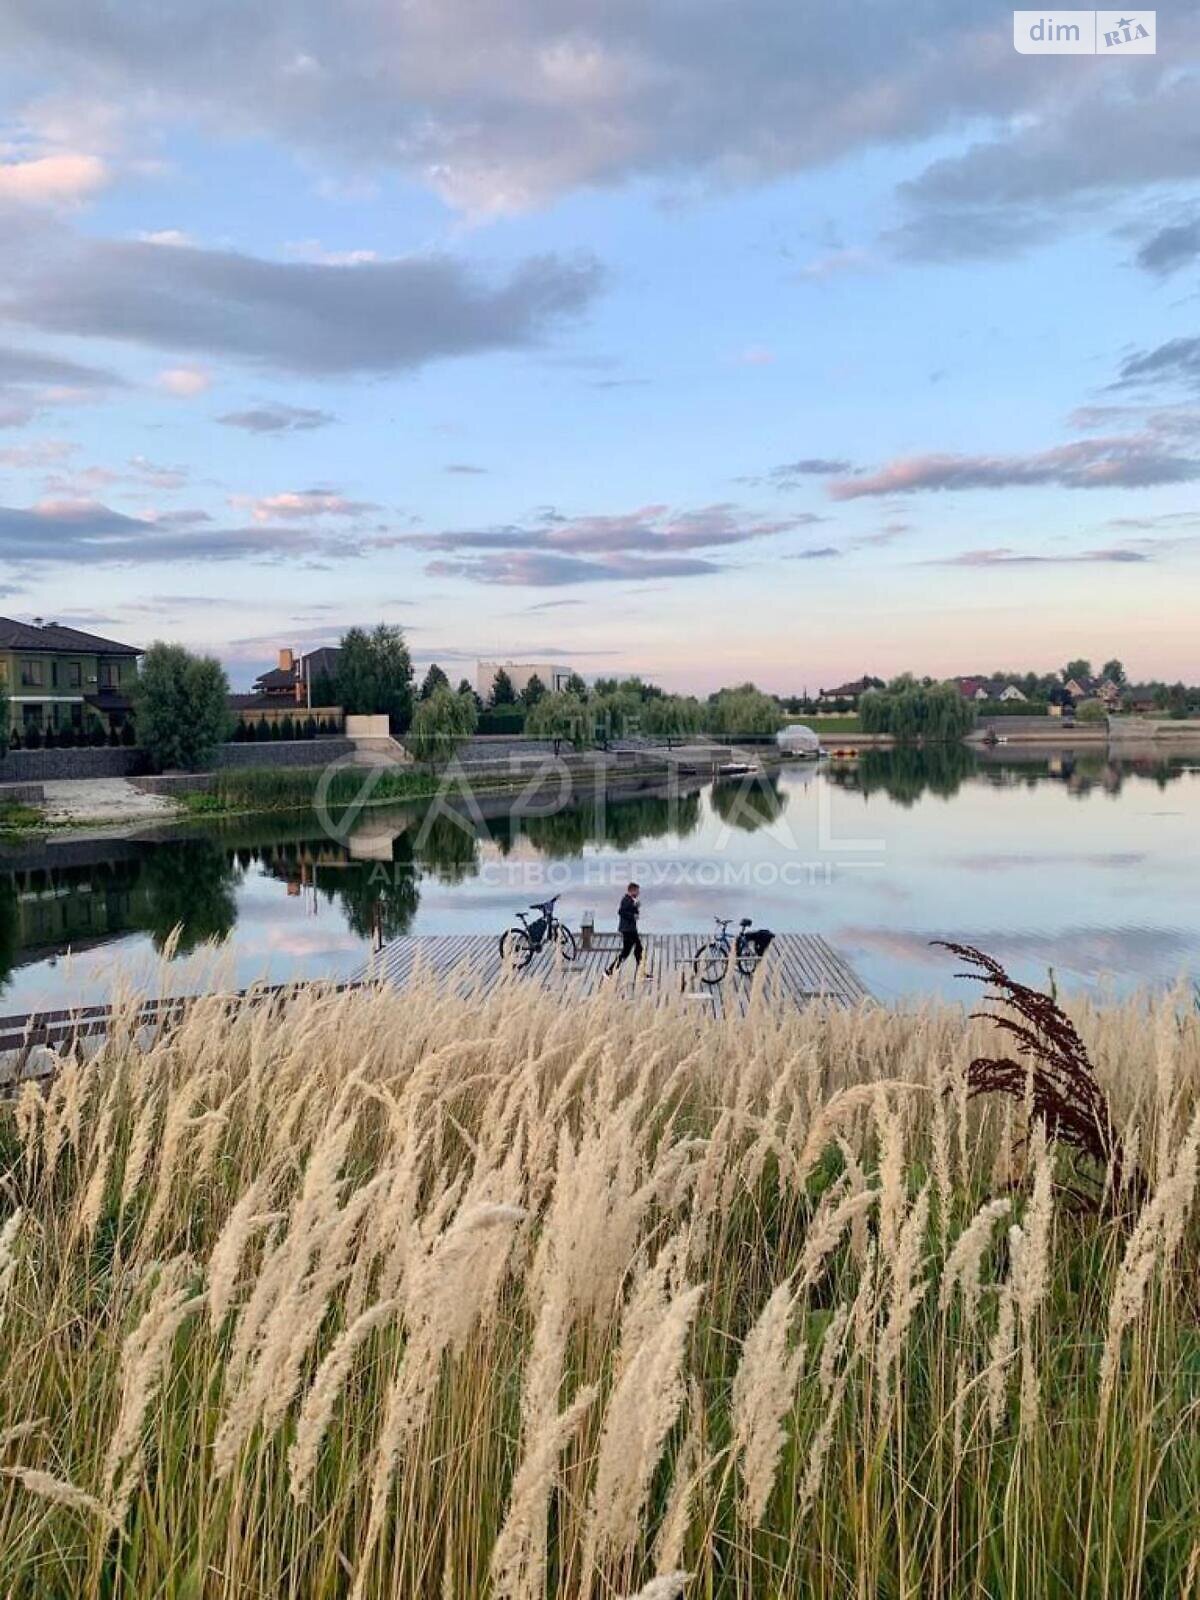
point(627, 914)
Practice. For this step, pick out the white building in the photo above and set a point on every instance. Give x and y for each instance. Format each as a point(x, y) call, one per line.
point(519, 672)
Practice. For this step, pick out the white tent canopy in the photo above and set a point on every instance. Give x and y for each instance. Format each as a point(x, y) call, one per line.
point(797, 739)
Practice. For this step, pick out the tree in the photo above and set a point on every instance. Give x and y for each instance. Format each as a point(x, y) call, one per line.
point(1115, 671)
point(323, 691)
point(440, 724)
point(634, 686)
point(614, 713)
point(435, 678)
point(576, 686)
point(181, 705)
point(375, 676)
point(1080, 669)
point(563, 717)
point(671, 716)
point(503, 693)
point(909, 710)
point(465, 686)
point(743, 712)
point(533, 691)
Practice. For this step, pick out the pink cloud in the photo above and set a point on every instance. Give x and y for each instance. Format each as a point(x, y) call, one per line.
point(52, 180)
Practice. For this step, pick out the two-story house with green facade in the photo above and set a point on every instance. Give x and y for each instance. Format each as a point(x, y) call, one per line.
point(58, 678)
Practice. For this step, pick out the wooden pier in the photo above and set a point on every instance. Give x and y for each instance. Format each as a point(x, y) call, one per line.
point(799, 968)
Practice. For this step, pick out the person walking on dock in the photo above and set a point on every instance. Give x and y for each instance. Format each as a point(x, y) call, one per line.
point(627, 927)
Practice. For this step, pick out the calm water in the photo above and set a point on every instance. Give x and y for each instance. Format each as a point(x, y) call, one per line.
point(1078, 861)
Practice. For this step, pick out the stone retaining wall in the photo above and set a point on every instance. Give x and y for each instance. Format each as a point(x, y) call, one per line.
point(310, 753)
point(51, 766)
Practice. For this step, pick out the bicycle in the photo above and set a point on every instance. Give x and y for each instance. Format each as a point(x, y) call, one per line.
point(520, 945)
point(711, 961)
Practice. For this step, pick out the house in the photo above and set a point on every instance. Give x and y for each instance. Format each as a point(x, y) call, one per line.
point(852, 692)
point(519, 673)
point(1094, 689)
point(292, 680)
point(988, 689)
point(976, 689)
point(58, 678)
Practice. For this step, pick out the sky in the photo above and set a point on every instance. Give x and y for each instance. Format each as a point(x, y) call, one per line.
point(735, 340)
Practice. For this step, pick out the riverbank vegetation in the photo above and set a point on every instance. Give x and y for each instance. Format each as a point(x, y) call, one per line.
point(910, 710)
point(264, 789)
point(375, 1294)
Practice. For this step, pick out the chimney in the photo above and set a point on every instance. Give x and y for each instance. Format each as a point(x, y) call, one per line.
point(287, 661)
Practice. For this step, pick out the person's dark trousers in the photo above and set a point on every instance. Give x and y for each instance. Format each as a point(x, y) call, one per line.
point(629, 941)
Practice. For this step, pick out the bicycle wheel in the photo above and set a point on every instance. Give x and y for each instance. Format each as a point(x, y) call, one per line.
point(565, 940)
point(711, 962)
point(516, 948)
point(748, 957)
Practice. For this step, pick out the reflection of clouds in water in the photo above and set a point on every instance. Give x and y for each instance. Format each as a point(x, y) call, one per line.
point(1160, 954)
point(1001, 861)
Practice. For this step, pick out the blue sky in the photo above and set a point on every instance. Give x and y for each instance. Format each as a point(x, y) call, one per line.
point(720, 343)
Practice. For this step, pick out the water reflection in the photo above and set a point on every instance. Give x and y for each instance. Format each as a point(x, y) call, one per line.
point(748, 803)
point(79, 896)
point(1061, 856)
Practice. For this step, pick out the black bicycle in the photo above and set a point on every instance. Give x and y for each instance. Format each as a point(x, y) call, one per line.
point(711, 961)
point(520, 945)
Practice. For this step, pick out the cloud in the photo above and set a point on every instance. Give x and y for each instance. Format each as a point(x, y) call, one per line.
point(465, 469)
point(31, 382)
point(62, 179)
point(38, 453)
point(1002, 556)
point(790, 472)
point(379, 317)
point(538, 569)
point(1176, 361)
point(184, 382)
point(1085, 138)
point(650, 542)
point(500, 108)
point(74, 533)
point(822, 553)
point(1171, 248)
point(653, 529)
point(302, 503)
point(18, 366)
point(1119, 462)
point(278, 418)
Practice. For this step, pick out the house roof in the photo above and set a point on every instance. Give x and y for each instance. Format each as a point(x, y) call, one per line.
point(51, 636)
point(322, 660)
point(277, 678)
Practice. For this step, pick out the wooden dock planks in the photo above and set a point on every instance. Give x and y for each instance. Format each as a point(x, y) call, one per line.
point(799, 968)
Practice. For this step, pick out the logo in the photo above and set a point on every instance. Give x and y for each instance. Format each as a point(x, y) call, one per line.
point(1084, 33)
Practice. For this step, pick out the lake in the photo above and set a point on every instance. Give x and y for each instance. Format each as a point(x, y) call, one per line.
point(1077, 860)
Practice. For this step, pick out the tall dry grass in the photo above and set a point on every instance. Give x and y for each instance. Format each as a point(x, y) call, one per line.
point(457, 1295)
